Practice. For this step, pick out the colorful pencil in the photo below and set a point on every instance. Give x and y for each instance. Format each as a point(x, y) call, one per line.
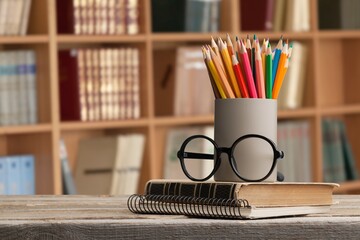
point(260, 83)
point(230, 46)
point(240, 77)
point(225, 84)
point(279, 75)
point(263, 52)
point(229, 70)
point(247, 70)
point(268, 75)
point(215, 74)
point(276, 60)
point(215, 88)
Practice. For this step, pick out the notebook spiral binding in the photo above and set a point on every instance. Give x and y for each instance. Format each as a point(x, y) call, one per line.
point(185, 205)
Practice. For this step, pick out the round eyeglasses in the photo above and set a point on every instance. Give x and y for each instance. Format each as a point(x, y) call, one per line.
point(200, 156)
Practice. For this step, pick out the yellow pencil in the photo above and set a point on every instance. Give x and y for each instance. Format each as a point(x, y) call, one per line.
point(212, 80)
point(226, 86)
point(215, 74)
point(229, 70)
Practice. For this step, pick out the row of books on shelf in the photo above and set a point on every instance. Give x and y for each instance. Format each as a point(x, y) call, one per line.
point(108, 165)
point(337, 14)
point(14, 16)
point(339, 162)
point(17, 175)
point(191, 77)
point(275, 15)
point(98, 17)
point(18, 101)
point(185, 15)
point(99, 84)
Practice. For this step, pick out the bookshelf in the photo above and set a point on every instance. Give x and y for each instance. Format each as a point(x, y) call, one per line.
point(331, 89)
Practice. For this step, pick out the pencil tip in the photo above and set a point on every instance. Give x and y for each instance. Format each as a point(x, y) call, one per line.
point(254, 36)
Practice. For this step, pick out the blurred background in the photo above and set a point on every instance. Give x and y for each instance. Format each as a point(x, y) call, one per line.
point(96, 96)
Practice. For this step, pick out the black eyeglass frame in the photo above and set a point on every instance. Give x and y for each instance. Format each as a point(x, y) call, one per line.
point(181, 154)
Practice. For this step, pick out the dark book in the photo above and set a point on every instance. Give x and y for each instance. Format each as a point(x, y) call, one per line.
point(253, 14)
point(168, 16)
point(329, 14)
point(65, 16)
point(71, 86)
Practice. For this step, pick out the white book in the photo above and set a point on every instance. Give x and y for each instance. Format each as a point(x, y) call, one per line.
point(292, 91)
point(122, 83)
point(191, 77)
point(136, 83)
point(134, 162)
point(4, 93)
point(25, 17)
point(128, 84)
point(19, 6)
point(120, 155)
point(31, 86)
point(13, 88)
point(22, 87)
point(3, 15)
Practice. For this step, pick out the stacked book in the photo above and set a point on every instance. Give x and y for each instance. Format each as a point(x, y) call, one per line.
point(14, 16)
point(99, 84)
point(95, 17)
point(232, 200)
point(17, 175)
point(18, 104)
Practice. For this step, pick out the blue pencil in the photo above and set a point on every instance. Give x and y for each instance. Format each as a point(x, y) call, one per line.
point(276, 59)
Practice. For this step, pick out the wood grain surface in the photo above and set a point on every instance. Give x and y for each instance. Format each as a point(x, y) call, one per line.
point(107, 217)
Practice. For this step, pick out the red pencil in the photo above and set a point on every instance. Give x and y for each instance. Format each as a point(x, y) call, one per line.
point(239, 77)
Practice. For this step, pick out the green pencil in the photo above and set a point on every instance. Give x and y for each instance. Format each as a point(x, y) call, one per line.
point(268, 77)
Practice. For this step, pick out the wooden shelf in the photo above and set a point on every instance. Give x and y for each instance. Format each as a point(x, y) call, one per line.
point(296, 113)
point(104, 124)
point(338, 110)
point(339, 34)
point(29, 39)
point(276, 35)
point(182, 37)
point(25, 129)
point(100, 38)
point(180, 121)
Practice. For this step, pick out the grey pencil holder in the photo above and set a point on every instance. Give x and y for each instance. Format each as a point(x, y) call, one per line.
point(240, 116)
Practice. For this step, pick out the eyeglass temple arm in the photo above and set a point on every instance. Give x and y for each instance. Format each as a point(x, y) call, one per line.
point(198, 155)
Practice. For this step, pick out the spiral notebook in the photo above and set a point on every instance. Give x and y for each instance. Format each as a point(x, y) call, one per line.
point(213, 207)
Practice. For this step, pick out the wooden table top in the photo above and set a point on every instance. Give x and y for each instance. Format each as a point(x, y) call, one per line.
point(104, 217)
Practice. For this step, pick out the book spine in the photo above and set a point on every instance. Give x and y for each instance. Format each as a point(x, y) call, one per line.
point(25, 17)
point(119, 9)
point(111, 17)
point(82, 85)
point(3, 10)
point(214, 16)
point(203, 190)
point(89, 81)
point(77, 16)
point(31, 86)
point(109, 81)
point(68, 182)
point(128, 83)
point(13, 88)
point(103, 84)
point(90, 8)
point(27, 174)
point(132, 16)
point(3, 176)
point(84, 23)
point(122, 82)
point(96, 84)
point(98, 16)
point(115, 82)
point(23, 91)
point(136, 84)
point(4, 93)
point(65, 10)
point(13, 175)
point(104, 17)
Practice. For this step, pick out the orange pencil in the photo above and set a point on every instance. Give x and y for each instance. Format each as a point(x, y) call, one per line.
point(225, 84)
point(229, 70)
point(230, 46)
point(279, 74)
